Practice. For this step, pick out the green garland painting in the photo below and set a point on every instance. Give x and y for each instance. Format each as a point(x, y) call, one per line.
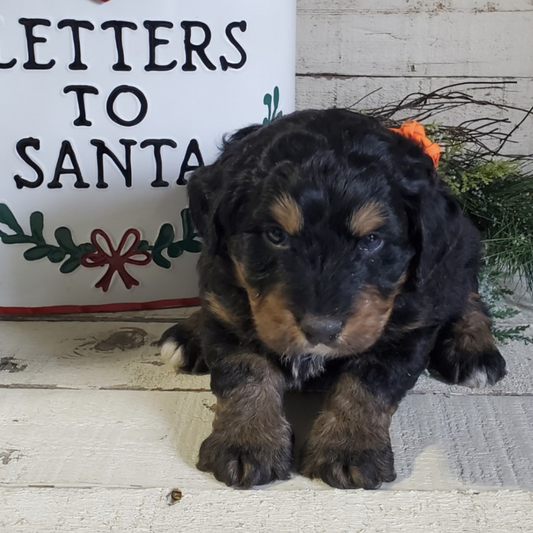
point(100, 251)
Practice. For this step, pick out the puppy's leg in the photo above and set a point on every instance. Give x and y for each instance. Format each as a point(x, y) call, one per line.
point(181, 345)
point(251, 442)
point(349, 445)
point(465, 352)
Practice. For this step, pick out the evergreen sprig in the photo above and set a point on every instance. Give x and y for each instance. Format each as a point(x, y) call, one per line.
point(494, 187)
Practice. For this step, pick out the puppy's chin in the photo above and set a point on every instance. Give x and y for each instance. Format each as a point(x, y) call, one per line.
point(335, 350)
point(319, 349)
point(309, 349)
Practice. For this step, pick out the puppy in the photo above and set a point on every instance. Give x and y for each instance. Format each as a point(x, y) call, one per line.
point(332, 251)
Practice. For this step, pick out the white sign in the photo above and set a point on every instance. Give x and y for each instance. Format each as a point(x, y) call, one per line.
point(106, 108)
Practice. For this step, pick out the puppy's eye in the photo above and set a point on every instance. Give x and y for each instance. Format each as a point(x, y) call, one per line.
point(370, 243)
point(276, 236)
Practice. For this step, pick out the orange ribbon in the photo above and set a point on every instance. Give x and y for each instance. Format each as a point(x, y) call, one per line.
point(415, 131)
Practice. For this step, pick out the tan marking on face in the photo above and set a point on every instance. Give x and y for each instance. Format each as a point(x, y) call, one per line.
point(288, 214)
point(371, 314)
point(219, 310)
point(279, 330)
point(367, 219)
point(275, 324)
point(240, 274)
point(413, 326)
point(472, 332)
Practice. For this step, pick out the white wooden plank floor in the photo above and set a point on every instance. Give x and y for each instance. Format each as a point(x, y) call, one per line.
point(97, 436)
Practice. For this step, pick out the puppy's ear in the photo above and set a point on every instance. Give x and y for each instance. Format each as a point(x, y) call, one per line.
point(435, 228)
point(202, 187)
point(215, 195)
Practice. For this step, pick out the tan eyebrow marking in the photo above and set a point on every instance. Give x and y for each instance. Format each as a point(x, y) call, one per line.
point(367, 219)
point(288, 213)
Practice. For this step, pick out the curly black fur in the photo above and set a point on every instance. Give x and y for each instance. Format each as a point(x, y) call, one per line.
point(331, 248)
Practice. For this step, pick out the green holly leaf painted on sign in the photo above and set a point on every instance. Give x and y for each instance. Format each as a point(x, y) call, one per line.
point(64, 239)
point(193, 247)
point(267, 100)
point(189, 243)
point(188, 228)
point(56, 255)
point(272, 103)
point(7, 218)
point(37, 227)
point(70, 265)
point(276, 100)
point(86, 248)
point(39, 252)
point(16, 239)
point(165, 237)
point(175, 250)
point(144, 246)
point(161, 261)
point(163, 241)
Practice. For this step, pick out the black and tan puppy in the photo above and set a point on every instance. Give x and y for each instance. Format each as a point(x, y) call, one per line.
point(332, 250)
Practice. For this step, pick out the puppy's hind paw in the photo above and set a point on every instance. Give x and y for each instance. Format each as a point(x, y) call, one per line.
point(485, 372)
point(474, 370)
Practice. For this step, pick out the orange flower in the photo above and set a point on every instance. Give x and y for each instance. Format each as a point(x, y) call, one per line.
point(415, 131)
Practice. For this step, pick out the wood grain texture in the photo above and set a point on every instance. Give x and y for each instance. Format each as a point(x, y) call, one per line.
point(117, 355)
point(228, 511)
point(151, 439)
point(443, 43)
point(413, 6)
point(367, 92)
point(98, 355)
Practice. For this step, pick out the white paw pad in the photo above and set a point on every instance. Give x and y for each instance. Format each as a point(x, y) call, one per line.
point(172, 354)
point(478, 379)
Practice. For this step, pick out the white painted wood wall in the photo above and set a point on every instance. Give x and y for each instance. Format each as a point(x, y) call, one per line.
point(349, 48)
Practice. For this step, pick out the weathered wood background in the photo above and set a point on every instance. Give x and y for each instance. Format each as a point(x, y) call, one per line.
point(349, 48)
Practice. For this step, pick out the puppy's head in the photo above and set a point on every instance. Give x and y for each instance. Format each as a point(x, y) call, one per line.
point(325, 217)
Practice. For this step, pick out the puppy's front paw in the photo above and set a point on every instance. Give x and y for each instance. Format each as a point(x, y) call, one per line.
point(181, 347)
point(348, 468)
point(244, 465)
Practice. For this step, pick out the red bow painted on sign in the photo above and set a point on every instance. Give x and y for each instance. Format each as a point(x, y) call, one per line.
point(115, 260)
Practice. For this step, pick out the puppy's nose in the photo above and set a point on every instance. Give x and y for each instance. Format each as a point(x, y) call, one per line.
point(321, 330)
